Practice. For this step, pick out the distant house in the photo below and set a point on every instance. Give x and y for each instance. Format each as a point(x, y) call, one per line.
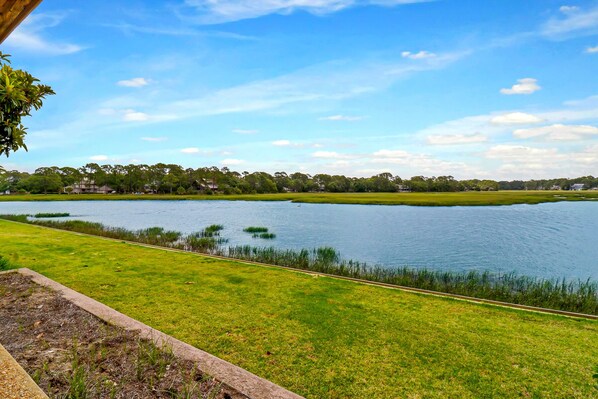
point(577, 187)
point(403, 189)
point(150, 189)
point(105, 190)
point(555, 187)
point(87, 186)
point(208, 184)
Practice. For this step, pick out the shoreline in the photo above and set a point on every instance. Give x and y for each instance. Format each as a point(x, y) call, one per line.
point(490, 198)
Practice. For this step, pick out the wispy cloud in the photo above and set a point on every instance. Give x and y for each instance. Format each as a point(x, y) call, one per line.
point(129, 29)
point(231, 162)
point(592, 50)
point(457, 139)
point(221, 11)
point(333, 81)
point(296, 144)
point(134, 82)
point(99, 158)
point(523, 86)
point(30, 36)
point(245, 131)
point(575, 21)
point(515, 118)
point(420, 55)
point(191, 150)
point(130, 115)
point(558, 132)
point(331, 155)
point(345, 118)
point(500, 124)
point(154, 139)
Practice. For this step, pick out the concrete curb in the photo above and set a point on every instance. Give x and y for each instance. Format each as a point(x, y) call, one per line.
point(233, 376)
point(15, 383)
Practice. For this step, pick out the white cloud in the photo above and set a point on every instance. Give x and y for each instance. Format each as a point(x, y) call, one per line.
point(592, 50)
point(29, 36)
point(346, 118)
point(417, 56)
point(154, 139)
point(418, 163)
point(99, 158)
point(558, 132)
point(391, 153)
point(457, 139)
point(221, 11)
point(231, 162)
point(330, 155)
point(191, 150)
point(135, 82)
point(525, 86)
point(524, 162)
point(568, 9)
point(291, 144)
point(575, 22)
point(245, 131)
point(520, 153)
point(515, 118)
point(131, 115)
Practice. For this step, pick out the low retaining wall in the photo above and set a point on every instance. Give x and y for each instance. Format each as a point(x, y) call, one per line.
point(15, 383)
point(233, 376)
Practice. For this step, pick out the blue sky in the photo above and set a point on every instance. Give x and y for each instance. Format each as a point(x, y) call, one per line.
point(500, 89)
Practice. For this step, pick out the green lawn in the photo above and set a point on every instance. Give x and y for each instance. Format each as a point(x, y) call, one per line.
point(317, 336)
point(421, 199)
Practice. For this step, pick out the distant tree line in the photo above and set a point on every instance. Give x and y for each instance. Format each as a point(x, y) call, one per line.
point(173, 179)
point(549, 184)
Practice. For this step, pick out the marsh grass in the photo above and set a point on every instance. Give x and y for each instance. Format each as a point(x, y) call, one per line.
point(575, 296)
point(468, 198)
point(51, 215)
point(266, 236)
point(78, 380)
point(255, 229)
point(4, 263)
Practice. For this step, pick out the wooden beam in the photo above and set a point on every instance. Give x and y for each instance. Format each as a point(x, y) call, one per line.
point(12, 13)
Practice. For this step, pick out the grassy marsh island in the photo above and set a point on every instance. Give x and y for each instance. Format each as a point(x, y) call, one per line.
point(51, 215)
point(255, 230)
point(319, 336)
point(260, 232)
point(471, 198)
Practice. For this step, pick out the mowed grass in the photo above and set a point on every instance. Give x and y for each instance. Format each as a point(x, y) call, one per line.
point(418, 199)
point(318, 336)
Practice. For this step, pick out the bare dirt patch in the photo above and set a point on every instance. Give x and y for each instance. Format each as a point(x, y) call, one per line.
point(73, 354)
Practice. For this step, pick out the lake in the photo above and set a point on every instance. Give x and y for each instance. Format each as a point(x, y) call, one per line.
point(545, 240)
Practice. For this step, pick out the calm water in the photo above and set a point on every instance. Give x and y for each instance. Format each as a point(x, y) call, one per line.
point(549, 240)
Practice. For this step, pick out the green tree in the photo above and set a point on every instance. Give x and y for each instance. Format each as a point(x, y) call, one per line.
point(19, 94)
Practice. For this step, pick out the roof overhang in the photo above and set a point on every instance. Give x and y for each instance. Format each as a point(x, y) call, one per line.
point(12, 13)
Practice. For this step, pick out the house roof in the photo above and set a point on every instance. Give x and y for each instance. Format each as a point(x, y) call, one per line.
point(12, 13)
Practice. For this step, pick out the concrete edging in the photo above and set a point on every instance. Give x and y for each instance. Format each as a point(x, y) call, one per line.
point(239, 379)
point(15, 383)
